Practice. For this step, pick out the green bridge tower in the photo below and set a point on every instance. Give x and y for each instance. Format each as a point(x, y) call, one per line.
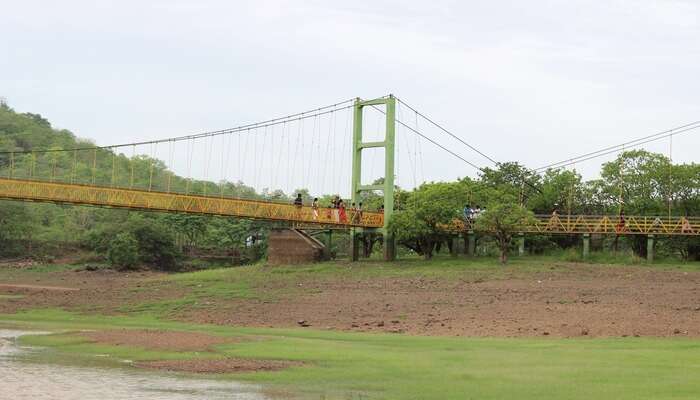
point(389, 104)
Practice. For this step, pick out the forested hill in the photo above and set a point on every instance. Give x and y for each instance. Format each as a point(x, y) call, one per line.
point(27, 131)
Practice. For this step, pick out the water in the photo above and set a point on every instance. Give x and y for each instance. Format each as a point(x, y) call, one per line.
point(23, 379)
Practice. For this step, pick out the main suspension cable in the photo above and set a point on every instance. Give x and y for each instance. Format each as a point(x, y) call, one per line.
point(276, 121)
point(431, 140)
point(448, 132)
point(633, 143)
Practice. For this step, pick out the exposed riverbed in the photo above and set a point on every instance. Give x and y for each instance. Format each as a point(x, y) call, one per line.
point(23, 376)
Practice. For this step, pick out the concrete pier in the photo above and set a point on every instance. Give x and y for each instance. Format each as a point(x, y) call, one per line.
point(586, 245)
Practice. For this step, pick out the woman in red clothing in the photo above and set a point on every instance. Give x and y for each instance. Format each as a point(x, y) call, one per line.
point(341, 212)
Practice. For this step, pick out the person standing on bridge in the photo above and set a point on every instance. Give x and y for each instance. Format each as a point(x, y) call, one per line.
point(468, 214)
point(354, 215)
point(685, 226)
point(342, 216)
point(314, 208)
point(621, 223)
point(329, 210)
point(476, 212)
point(336, 209)
point(298, 203)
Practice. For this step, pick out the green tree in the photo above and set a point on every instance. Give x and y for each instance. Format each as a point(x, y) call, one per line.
point(123, 251)
point(192, 227)
point(156, 242)
point(15, 224)
point(421, 223)
point(503, 218)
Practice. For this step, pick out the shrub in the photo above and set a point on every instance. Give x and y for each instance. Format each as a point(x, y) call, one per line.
point(156, 244)
point(152, 239)
point(123, 251)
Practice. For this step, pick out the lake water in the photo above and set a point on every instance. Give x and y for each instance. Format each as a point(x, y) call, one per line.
point(22, 377)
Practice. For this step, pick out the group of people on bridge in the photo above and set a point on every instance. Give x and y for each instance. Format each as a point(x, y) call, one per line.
point(337, 211)
point(470, 214)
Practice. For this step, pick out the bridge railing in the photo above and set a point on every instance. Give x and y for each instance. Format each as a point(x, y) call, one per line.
point(633, 224)
point(41, 191)
point(608, 224)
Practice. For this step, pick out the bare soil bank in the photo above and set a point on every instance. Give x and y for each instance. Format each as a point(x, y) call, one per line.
point(571, 300)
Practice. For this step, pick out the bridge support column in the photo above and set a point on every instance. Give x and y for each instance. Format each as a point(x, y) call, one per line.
point(389, 247)
point(521, 244)
point(329, 242)
point(454, 246)
point(354, 245)
point(586, 245)
point(650, 248)
point(470, 240)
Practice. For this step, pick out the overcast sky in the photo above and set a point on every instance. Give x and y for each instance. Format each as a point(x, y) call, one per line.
point(534, 81)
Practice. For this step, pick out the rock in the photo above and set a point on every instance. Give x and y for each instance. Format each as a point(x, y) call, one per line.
point(584, 332)
point(304, 323)
point(676, 331)
point(545, 333)
point(380, 323)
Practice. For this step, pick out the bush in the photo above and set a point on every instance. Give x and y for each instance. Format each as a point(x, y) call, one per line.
point(153, 241)
point(123, 251)
point(156, 244)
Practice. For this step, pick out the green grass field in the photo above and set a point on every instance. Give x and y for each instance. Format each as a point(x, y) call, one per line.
point(386, 366)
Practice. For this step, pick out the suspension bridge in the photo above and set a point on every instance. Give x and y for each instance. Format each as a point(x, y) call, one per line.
point(322, 149)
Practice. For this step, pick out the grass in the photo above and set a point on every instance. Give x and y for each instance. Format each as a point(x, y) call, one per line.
point(385, 366)
point(263, 282)
point(42, 268)
point(10, 296)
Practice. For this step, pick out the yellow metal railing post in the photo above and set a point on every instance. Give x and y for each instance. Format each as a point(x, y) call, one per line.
point(171, 150)
point(94, 165)
point(53, 168)
point(114, 164)
point(31, 174)
point(150, 174)
point(670, 176)
point(150, 177)
point(75, 165)
point(131, 163)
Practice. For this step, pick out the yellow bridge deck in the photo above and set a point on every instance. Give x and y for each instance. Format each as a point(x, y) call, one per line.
point(118, 197)
point(53, 192)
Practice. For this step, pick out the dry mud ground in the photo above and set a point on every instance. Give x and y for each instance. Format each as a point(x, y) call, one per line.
point(570, 300)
